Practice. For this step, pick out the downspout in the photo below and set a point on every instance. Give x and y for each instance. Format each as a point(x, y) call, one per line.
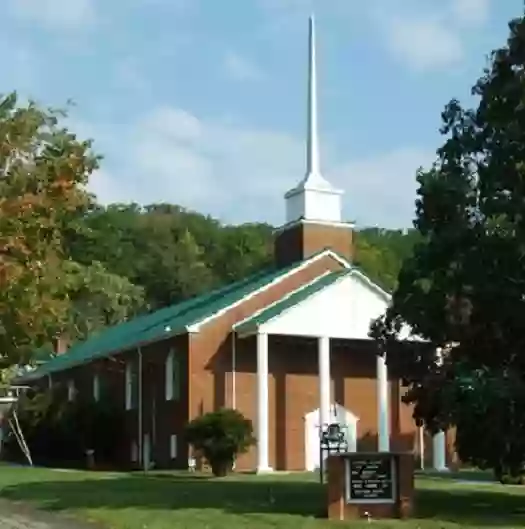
point(234, 366)
point(422, 448)
point(139, 411)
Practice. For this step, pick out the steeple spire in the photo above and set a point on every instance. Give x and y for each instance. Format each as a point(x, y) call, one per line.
point(314, 198)
point(312, 156)
point(313, 207)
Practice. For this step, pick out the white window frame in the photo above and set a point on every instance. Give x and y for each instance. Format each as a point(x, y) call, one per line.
point(173, 446)
point(134, 452)
point(96, 387)
point(71, 390)
point(129, 385)
point(168, 371)
point(169, 367)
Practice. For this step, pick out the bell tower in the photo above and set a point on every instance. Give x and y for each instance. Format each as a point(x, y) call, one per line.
point(313, 206)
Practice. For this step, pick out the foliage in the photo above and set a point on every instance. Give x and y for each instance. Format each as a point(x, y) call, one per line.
point(381, 253)
point(220, 436)
point(98, 299)
point(491, 423)
point(174, 253)
point(463, 289)
point(58, 431)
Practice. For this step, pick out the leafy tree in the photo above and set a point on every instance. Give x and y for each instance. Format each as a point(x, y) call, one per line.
point(98, 299)
point(107, 235)
point(43, 172)
point(381, 253)
point(242, 250)
point(220, 436)
point(169, 251)
point(463, 289)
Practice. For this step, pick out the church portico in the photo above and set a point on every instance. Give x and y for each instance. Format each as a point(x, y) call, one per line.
point(338, 306)
point(290, 377)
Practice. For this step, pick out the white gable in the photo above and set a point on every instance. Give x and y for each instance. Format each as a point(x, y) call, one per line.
point(343, 309)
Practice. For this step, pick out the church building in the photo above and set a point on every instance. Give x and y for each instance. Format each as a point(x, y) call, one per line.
point(288, 347)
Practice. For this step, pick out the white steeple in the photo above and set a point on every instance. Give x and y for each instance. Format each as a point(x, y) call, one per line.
point(314, 198)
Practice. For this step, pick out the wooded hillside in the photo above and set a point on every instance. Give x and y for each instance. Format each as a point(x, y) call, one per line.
point(173, 253)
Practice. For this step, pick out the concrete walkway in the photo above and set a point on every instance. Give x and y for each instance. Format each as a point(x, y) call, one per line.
point(17, 516)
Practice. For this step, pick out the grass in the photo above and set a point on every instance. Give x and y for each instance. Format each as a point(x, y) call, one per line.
point(171, 500)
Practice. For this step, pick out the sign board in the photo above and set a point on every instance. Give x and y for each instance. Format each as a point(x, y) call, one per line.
point(371, 479)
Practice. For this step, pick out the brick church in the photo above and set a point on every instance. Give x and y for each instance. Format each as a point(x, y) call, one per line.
point(288, 347)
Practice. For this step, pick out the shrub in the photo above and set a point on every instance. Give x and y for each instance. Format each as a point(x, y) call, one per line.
point(220, 437)
point(60, 432)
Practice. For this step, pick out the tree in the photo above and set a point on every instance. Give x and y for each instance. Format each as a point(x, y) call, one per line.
point(463, 289)
point(381, 253)
point(43, 173)
point(172, 252)
point(98, 299)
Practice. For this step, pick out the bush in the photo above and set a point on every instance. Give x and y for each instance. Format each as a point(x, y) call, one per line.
point(59, 432)
point(220, 437)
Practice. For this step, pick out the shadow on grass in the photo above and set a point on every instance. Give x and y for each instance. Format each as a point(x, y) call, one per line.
point(461, 475)
point(483, 506)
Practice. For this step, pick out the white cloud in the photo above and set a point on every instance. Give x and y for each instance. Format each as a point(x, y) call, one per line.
point(381, 189)
point(425, 43)
point(471, 12)
point(240, 174)
point(240, 68)
point(429, 36)
point(68, 14)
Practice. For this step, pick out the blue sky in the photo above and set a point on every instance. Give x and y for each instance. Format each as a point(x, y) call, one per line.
point(202, 102)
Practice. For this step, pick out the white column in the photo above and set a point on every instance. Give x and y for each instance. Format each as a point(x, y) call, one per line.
point(439, 451)
point(383, 426)
point(262, 403)
point(324, 379)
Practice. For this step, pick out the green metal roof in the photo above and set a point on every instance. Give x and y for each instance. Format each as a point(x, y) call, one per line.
point(297, 296)
point(157, 325)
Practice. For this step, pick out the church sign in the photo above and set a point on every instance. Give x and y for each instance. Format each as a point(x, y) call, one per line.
point(370, 485)
point(371, 479)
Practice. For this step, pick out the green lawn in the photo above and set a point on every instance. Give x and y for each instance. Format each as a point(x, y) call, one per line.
point(170, 501)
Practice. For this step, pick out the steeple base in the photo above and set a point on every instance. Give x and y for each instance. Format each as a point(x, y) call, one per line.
point(301, 239)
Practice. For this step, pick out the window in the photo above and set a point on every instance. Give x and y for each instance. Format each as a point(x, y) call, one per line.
point(71, 390)
point(172, 376)
point(134, 452)
point(173, 446)
point(132, 385)
point(96, 387)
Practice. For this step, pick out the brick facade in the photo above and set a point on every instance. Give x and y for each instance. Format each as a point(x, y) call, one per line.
point(301, 240)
